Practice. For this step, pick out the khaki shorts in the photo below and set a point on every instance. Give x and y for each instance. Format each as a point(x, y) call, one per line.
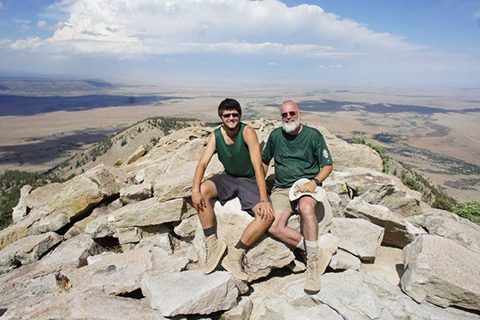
point(281, 201)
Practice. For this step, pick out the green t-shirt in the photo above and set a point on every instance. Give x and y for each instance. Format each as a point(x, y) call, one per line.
point(236, 157)
point(296, 156)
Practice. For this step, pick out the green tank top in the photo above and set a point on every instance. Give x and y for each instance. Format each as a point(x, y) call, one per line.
point(236, 157)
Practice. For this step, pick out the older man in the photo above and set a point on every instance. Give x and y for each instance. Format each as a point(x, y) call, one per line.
point(239, 151)
point(299, 152)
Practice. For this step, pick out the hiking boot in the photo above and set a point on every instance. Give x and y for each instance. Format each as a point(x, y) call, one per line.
point(214, 252)
point(312, 283)
point(324, 258)
point(233, 263)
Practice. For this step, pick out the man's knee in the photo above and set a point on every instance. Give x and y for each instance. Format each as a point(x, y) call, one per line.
point(208, 190)
point(307, 208)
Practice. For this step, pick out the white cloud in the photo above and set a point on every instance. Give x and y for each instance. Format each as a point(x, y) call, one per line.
point(476, 15)
point(144, 27)
point(25, 27)
point(22, 21)
point(335, 66)
point(1, 5)
point(273, 64)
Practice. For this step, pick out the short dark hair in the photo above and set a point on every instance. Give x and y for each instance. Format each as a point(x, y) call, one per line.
point(229, 104)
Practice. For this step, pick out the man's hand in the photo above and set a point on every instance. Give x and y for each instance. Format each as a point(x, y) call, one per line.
point(265, 210)
point(198, 201)
point(309, 186)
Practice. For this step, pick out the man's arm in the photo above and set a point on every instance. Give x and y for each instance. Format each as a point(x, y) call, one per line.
point(321, 175)
point(197, 198)
point(265, 209)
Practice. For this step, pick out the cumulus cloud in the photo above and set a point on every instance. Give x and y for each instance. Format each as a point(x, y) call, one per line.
point(25, 27)
point(139, 27)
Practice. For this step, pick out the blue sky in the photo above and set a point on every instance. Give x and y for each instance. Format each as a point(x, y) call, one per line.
point(403, 43)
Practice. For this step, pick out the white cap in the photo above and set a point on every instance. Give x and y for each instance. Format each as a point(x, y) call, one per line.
point(295, 193)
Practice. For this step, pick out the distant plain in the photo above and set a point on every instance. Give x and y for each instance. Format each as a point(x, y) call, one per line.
point(436, 132)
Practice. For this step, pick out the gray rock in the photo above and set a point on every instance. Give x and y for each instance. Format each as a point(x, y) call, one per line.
point(402, 307)
point(81, 306)
point(344, 260)
point(266, 255)
point(375, 188)
point(20, 210)
point(190, 292)
point(349, 155)
point(388, 265)
point(241, 312)
point(135, 193)
point(39, 278)
point(148, 212)
point(453, 227)
point(27, 250)
point(358, 236)
point(395, 225)
point(122, 273)
point(442, 272)
point(345, 293)
point(187, 227)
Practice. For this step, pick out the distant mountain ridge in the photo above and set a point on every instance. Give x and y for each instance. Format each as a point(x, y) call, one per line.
point(46, 86)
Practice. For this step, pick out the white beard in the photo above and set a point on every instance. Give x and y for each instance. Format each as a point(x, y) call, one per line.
point(290, 127)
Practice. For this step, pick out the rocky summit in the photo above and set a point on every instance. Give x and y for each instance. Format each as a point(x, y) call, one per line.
point(122, 241)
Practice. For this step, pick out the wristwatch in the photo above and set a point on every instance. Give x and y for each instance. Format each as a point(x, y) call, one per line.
point(319, 184)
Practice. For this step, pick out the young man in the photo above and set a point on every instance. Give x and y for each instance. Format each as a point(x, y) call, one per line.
point(299, 152)
point(239, 152)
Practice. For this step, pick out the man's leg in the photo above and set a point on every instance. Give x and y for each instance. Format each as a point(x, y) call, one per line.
point(283, 211)
point(306, 206)
point(248, 195)
point(215, 249)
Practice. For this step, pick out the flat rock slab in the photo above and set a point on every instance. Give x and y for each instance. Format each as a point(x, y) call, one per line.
point(395, 225)
point(82, 306)
point(190, 292)
point(358, 236)
point(442, 272)
point(123, 272)
point(27, 250)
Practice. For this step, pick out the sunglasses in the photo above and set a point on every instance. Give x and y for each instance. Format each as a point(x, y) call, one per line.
point(291, 113)
point(228, 115)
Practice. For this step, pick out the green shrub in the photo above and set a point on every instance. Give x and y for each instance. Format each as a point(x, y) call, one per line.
point(469, 210)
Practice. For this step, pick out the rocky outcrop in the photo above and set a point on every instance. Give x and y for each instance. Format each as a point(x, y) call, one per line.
point(190, 292)
point(125, 242)
point(440, 271)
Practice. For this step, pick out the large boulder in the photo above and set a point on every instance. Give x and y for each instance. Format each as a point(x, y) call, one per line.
point(20, 210)
point(375, 188)
point(402, 307)
point(75, 306)
point(395, 225)
point(54, 206)
point(190, 292)
point(347, 155)
point(122, 273)
point(43, 277)
point(442, 272)
point(148, 212)
point(267, 254)
point(451, 226)
point(27, 250)
point(358, 236)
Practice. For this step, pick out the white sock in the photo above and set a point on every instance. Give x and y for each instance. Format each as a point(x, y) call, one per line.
point(312, 247)
point(301, 244)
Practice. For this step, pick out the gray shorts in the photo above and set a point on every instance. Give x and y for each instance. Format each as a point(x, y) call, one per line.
point(229, 187)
